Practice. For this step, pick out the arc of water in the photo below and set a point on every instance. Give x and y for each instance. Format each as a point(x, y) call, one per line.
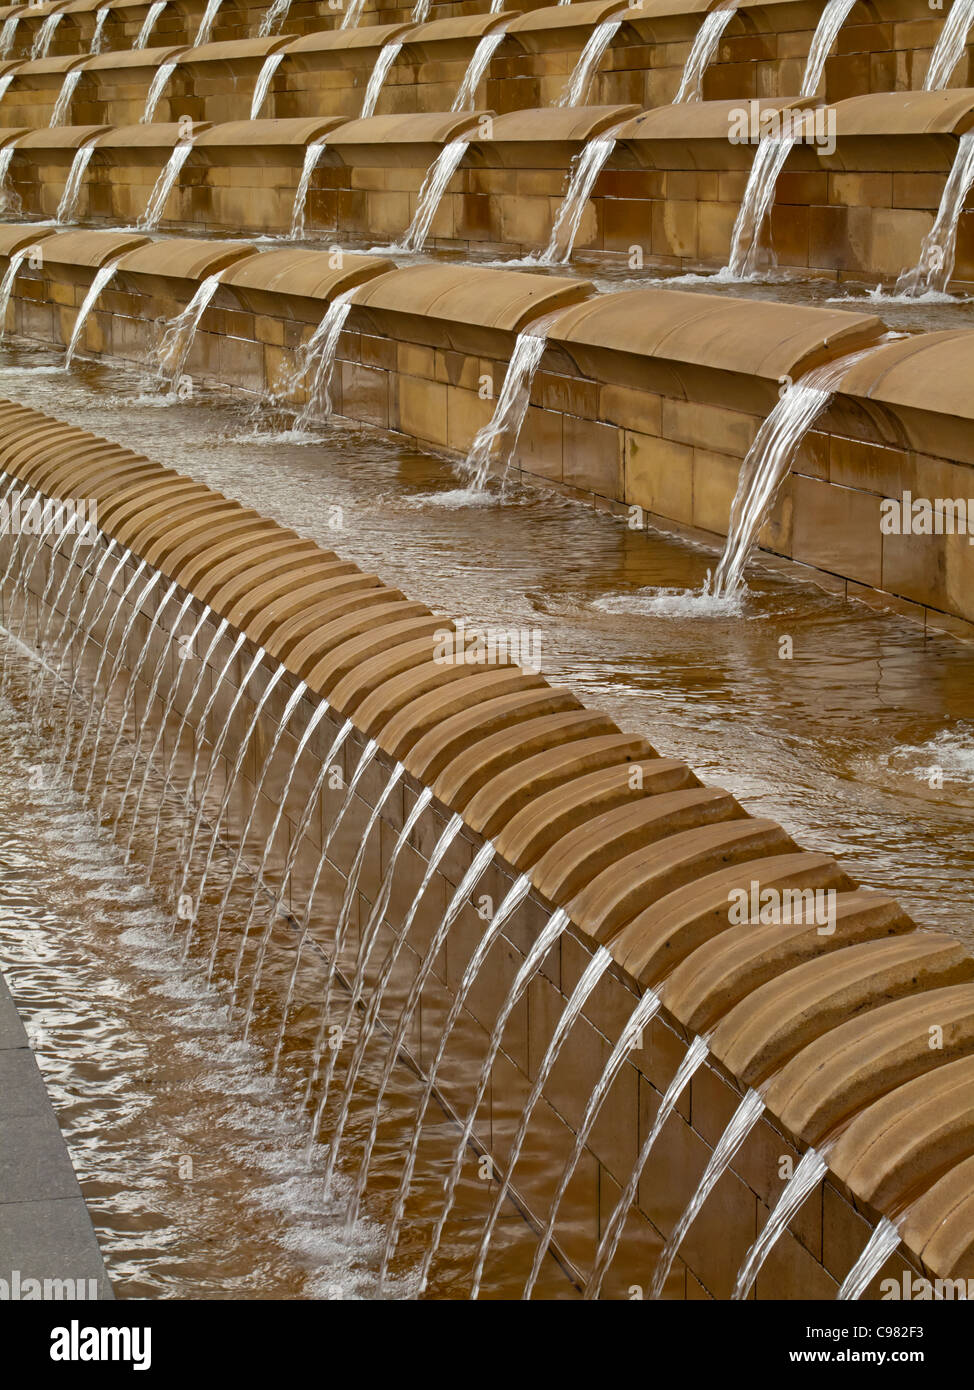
point(206, 23)
point(935, 264)
point(84, 536)
point(512, 901)
point(78, 625)
point(17, 259)
point(103, 277)
point(512, 405)
point(338, 940)
point(97, 38)
point(353, 14)
point(49, 606)
point(830, 22)
point(318, 357)
point(85, 626)
point(120, 654)
point(274, 17)
point(367, 942)
point(949, 47)
point(438, 175)
point(420, 12)
point(311, 157)
point(585, 169)
point(149, 23)
point(641, 1015)
point(68, 206)
point(706, 41)
point(218, 745)
point(29, 554)
point(131, 688)
point(264, 79)
point(120, 602)
point(7, 35)
point(743, 1120)
point(201, 675)
point(180, 332)
point(45, 35)
point(5, 82)
point(297, 840)
point(576, 90)
point(472, 876)
point(769, 160)
point(810, 1171)
point(147, 712)
point(768, 460)
point(693, 1059)
point(156, 88)
point(482, 54)
point(297, 695)
point(593, 972)
point(881, 1244)
point(8, 199)
point(388, 54)
point(164, 185)
point(549, 934)
point(65, 97)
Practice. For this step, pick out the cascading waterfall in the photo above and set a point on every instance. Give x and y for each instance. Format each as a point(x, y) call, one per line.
point(68, 206)
point(102, 278)
point(79, 628)
point(431, 195)
point(935, 265)
point(585, 169)
point(827, 29)
point(8, 34)
point(881, 1244)
point(316, 362)
point(353, 14)
point(164, 185)
point(811, 1169)
point(767, 463)
point(275, 16)
point(950, 45)
point(156, 89)
point(263, 84)
point(590, 977)
point(482, 54)
point(149, 23)
point(5, 82)
point(311, 156)
point(703, 50)
point(45, 35)
point(179, 333)
point(17, 259)
point(388, 54)
point(769, 160)
point(576, 90)
point(691, 1062)
point(97, 38)
point(206, 23)
point(420, 12)
point(745, 1117)
point(9, 201)
point(629, 1038)
point(513, 899)
point(65, 97)
point(511, 408)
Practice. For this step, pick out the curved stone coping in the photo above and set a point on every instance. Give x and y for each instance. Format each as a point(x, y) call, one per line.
point(444, 39)
point(135, 58)
point(13, 239)
point(649, 870)
point(45, 1227)
point(272, 131)
point(328, 49)
point(940, 1225)
point(63, 137)
point(906, 113)
point(259, 282)
point(544, 136)
point(41, 68)
point(758, 337)
point(90, 249)
point(184, 258)
point(154, 135)
point(531, 31)
point(12, 135)
point(236, 51)
point(365, 141)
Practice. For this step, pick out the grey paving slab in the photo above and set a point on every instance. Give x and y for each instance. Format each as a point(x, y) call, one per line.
point(34, 1162)
point(53, 1243)
point(22, 1089)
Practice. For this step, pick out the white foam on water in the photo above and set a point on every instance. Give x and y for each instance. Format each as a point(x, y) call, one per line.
point(673, 603)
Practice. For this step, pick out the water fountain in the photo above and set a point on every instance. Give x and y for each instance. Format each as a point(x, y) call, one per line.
point(274, 18)
point(830, 22)
point(206, 23)
point(512, 406)
point(65, 96)
point(97, 38)
point(5, 82)
point(810, 1171)
point(180, 333)
point(149, 23)
point(576, 90)
point(950, 45)
point(164, 185)
point(482, 54)
point(311, 156)
point(103, 277)
point(44, 37)
point(68, 206)
point(703, 50)
point(8, 34)
point(744, 1119)
point(935, 264)
point(353, 14)
point(881, 1244)
point(156, 88)
point(264, 79)
point(420, 12)
point(431, 194)
point(585, 169)
point(316, 362)
point(746, 250)
point(388, 54)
